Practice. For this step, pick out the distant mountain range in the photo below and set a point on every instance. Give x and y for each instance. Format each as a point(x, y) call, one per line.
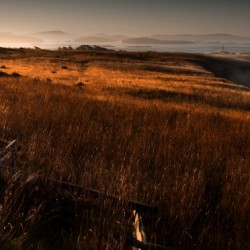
point(64, 37)
point(163, 39)
point(56, 35)
point(94, 39)
point(9, 38)
point(147, 40)
point(203, 38)
point(102, 38)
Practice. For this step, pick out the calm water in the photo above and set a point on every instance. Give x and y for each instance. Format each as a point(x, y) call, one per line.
point(189, 48)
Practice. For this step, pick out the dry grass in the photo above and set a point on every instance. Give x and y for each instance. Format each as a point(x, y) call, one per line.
point(157, 128)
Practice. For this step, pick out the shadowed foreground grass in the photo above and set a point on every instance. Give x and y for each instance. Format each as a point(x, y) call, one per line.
point(183, 153)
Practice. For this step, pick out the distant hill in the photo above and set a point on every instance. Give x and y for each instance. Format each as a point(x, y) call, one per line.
point(101, 38)
point(4, 38)
point(55, 32)
point(146, 40)
point(56, 35)
point(94, 39)
point(163, 39)
point(203, 38)
point(116, 37)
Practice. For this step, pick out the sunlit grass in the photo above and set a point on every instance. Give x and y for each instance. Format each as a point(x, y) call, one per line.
point(178, 140)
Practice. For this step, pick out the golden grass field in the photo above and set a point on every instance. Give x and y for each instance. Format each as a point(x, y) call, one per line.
point(158, 128)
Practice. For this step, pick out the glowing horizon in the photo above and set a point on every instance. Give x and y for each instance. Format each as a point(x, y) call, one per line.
point(135, 18)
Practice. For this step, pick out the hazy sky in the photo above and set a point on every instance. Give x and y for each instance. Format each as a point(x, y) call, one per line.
point(131, 17)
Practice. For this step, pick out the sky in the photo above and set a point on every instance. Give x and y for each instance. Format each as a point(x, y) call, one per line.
point(129, 17)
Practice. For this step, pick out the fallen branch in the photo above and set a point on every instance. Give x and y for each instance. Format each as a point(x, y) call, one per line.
point(137, 209)
point(7, 150)
point(134, 205)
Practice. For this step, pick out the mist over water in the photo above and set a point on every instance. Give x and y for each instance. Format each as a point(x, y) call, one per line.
point(188, 48)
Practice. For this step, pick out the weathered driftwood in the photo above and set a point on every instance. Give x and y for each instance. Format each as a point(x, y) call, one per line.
point(137, 240)
point(134, 205)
